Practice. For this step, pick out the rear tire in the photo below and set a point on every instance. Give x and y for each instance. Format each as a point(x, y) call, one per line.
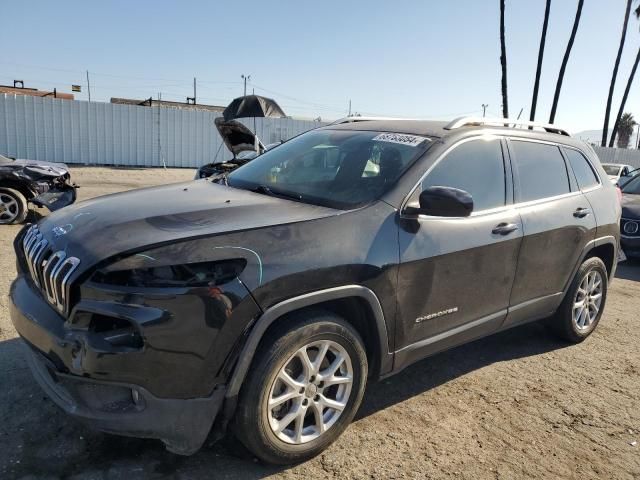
point(580, 311)
point(13, 206)
point(323, 391)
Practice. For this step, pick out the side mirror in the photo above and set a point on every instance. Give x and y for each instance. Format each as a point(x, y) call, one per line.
point(442, 202)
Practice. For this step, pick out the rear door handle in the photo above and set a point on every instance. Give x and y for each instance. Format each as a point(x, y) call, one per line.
point(581, 212)
point(504, 228)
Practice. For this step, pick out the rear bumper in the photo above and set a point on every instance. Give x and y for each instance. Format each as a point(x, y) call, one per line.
point(57, 356)
point(182, 424)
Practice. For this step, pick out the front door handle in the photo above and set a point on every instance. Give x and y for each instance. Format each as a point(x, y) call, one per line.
point(581, 212)
point(504, 228)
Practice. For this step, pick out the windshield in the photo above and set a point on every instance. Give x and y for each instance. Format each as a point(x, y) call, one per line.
point(633, 186)
point(611, 169)
point(335, 168)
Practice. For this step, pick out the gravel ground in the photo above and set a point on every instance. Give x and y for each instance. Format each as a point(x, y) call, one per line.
point(516, 405)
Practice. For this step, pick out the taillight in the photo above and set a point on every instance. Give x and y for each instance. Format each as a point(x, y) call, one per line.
point(619, 192)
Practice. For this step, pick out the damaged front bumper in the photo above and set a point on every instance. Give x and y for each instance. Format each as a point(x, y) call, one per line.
point(120, 407)
point(124, 409)
point(56, 197)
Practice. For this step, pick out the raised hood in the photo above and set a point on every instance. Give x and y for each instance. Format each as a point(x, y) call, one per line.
point(121, 223)
point(33, 169)
point(236, 136)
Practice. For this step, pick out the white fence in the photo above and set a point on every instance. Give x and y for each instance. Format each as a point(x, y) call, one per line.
point(54, 130)
point(619, 155)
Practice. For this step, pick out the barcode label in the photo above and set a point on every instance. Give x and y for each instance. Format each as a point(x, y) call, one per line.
point(401, 138)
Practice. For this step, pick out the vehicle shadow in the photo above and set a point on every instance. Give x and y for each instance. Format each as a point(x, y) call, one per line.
point(37, 438)
point(629, 270)
point(525, 341)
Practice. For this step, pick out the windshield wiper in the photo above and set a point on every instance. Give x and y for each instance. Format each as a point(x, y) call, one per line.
point(276, 193)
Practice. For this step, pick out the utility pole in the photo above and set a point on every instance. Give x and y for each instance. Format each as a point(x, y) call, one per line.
point(349, 108)
point(88, 86)
point(245, 78)
point(192, 100)
point(159, 108)
point(484, 109)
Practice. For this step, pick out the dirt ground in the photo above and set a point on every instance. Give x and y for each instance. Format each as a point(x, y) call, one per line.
point(516, 405)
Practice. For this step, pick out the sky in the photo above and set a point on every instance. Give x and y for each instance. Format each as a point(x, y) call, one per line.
point(413, 59)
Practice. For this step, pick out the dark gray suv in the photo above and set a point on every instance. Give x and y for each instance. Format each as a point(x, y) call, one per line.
point(266, 299)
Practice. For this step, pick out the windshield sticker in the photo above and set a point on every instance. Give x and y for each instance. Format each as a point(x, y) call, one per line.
point(401, 138)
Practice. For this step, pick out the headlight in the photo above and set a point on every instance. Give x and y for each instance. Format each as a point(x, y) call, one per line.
point(203, 274)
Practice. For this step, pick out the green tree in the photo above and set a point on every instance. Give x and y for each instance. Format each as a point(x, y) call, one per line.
point(565, 60)
point(625, 129)
point(605, 128)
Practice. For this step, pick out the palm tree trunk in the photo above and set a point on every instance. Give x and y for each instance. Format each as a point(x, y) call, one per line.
point(605, 127)
point(503, 63)
point(567, 53)
point(624, 99)
point(536, 85)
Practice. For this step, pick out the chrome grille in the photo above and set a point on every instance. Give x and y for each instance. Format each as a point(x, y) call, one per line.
point(49, 270)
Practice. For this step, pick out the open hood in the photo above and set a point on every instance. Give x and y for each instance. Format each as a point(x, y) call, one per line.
point(237, 137)
point(32, 169)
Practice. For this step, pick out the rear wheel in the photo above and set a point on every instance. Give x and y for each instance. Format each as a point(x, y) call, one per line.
point(306, 385)
point(584, 303)
point(13, 206)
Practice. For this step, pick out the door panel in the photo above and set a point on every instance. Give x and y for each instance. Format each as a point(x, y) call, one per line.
point(554, 239)
point(557, 222)
point(453, 272)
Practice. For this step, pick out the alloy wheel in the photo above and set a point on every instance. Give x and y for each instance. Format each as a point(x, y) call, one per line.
point(310, 392)
point(588, 300)
point(8, 208)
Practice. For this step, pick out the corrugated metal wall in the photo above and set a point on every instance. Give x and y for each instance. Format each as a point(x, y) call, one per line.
point(44, 128)
point(618, 155)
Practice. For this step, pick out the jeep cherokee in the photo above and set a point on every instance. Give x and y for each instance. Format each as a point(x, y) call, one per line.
point(264, 301)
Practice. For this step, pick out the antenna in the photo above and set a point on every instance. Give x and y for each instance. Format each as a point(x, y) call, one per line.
point(88, 86)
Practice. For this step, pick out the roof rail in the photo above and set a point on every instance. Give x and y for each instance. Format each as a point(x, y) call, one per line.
point(503, 122)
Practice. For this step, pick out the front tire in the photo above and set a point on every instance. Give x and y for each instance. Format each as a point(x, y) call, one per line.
point(306, 384)
point(13, 206)
point(582, 307)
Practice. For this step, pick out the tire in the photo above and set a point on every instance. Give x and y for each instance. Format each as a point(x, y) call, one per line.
point(256, 426)
point(13, 206)
point(576, 328)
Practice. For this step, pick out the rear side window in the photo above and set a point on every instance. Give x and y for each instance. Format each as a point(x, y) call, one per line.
point(584, 173)
point(476, 167)
point(541, 170)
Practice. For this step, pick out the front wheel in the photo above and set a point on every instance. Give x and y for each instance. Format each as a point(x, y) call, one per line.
point(305, 387)
point(584, 303)
point(13, 206)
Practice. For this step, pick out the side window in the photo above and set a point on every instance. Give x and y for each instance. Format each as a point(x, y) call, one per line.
point(541, 170)
point(584, 173)
point(476, 167)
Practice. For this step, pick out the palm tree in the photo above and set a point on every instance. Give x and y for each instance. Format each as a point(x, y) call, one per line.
point(503, 63)
point(563, 67)
point(605, 128)
point(616, 125)
point(625, 130)
point(543, 38)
